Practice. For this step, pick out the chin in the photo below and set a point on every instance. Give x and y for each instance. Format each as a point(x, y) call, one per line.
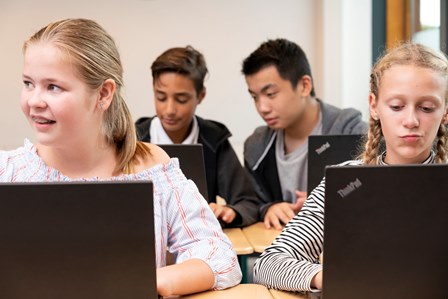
point(46, 140)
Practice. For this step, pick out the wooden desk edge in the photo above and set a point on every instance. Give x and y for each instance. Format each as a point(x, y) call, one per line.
point(276, 294)
point(239, 290)
point(233, 233)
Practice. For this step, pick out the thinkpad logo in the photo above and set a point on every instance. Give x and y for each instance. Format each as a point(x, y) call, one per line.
point(322, 148)
point(350, 188)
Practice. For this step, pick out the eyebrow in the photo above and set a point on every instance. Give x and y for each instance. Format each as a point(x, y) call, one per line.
point(176, 93)
point(50, 80)
point(264, 88)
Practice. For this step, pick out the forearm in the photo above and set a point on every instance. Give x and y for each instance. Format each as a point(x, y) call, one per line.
point(292, 261)
point(185, 278)
point(279, 271)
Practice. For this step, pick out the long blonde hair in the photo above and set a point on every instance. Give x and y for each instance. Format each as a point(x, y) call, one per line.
point(95, 56)
point(405, 54)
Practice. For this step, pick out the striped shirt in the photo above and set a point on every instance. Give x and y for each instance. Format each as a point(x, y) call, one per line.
point(182, 219)
point(292, 260)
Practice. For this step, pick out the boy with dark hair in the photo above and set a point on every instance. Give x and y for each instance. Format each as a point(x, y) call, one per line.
point(279, 79)
point(178, 82)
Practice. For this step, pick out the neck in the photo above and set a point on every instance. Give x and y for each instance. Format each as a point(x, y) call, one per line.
point(298, 132)
point(81, 162)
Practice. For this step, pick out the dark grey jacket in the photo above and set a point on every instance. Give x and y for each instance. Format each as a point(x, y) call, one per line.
point(259, 150)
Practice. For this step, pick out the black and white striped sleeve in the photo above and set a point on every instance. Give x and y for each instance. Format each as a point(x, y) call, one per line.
point(292, 260)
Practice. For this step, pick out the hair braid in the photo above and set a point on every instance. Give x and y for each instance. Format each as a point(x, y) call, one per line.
point(373, 142)
point(442, 145)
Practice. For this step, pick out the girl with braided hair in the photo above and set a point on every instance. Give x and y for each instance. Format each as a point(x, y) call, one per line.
point(408, 119)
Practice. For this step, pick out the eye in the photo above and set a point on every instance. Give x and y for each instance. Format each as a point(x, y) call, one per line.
point(160, 98)
point(27, 84)
point(271, 95)
point(427, 109)
point(182, 100)
point(395, 107)
point(54, 88)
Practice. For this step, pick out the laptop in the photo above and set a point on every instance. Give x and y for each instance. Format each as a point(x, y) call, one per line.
point(386, 232)
point(191, 160)
point(326, 150)
point(77, 240)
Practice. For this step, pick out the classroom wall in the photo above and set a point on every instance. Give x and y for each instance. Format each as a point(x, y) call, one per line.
point(225, 31)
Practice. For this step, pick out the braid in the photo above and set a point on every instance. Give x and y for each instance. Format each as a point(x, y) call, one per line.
point(372, 144)
point(442, 145)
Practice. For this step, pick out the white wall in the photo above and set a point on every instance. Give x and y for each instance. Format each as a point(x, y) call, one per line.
point(225, 31)
point(345, 45)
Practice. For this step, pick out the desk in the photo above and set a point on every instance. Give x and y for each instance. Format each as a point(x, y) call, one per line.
point(241, 291)
point(260, 237)
point(287, 295)
point(239, 241)
point(241, 246)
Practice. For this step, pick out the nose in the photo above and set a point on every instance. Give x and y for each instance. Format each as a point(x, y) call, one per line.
point(263, 106)
point(171, 107)
point(36, 99)
point(411, 119)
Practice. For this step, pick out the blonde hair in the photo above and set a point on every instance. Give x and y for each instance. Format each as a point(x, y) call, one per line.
point(405, 54)
point(93, 53)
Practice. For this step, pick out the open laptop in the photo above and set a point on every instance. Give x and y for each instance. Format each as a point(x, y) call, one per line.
point(386, 232)
point(326, 150)
point(191, 160)
point(77, 240)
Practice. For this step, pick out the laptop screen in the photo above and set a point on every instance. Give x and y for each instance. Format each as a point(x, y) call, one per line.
point(386, 231)
point(77, 240)
point(326, 150)
point(191, 161)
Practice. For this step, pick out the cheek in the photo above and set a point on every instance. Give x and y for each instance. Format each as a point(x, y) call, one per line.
point(158, 106)
point(434, 122)
point(24, 103)
point(186, 111)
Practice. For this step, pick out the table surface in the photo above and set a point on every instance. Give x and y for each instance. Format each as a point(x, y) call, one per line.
point(239, 241)
point(241, 291)
point(260, 237)
point(287, 295)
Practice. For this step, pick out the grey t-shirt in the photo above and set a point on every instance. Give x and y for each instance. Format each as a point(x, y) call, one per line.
point(293, 167)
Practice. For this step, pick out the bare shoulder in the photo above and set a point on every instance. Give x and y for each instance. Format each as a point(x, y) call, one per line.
point(157, 156)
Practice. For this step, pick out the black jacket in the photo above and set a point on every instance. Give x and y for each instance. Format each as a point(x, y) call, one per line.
point(225, 175)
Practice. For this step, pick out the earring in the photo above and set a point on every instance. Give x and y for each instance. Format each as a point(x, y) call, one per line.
point(101, 105)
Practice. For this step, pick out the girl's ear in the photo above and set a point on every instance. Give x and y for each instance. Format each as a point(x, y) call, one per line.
point(445, 117)
point(106, 94)
point(373, 106)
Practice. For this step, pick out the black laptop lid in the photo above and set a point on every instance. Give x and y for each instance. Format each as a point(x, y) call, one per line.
point(77, 240)
point(386, 232)
point(191, 160)
point(326, 150)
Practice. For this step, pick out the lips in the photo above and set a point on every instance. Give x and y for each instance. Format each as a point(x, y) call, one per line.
point(42, 120)
point(410, 137)
point(270, 121)
point(169, 121)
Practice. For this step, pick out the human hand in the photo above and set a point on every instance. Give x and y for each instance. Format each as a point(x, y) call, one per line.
point(224, 213)
point(316, 282)
point(278, 214)
point(300, 200)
